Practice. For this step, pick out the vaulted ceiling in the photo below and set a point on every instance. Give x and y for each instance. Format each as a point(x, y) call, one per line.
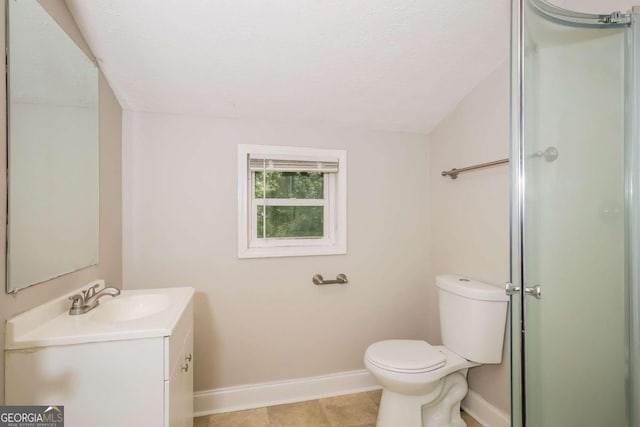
point(398, 65)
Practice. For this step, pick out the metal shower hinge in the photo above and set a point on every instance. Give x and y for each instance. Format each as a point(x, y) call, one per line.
point(616, 18)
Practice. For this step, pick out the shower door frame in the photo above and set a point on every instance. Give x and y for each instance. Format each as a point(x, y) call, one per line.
point(518, 266)
point(632, 196)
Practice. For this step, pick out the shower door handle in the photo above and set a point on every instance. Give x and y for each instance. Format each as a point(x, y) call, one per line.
point(535, 292)
point(509, 289)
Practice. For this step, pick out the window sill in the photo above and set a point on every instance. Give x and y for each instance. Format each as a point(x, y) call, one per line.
point(291, 251)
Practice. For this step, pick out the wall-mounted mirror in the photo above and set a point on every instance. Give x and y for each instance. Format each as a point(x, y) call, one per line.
point(52, 144)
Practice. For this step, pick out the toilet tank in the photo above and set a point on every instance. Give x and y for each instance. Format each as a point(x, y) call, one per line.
point(472, 318)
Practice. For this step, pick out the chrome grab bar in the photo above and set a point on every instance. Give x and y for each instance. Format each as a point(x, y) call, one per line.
point(340, 278)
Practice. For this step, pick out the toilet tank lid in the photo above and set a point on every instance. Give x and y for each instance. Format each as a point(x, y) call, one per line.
point(470, 288)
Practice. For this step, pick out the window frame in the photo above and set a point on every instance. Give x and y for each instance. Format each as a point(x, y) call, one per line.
point(334, 239)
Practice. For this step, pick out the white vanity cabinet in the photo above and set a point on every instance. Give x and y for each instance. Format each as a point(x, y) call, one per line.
point(127, 373)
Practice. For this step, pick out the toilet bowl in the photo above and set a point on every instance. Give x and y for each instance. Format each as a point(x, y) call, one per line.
point(414, 374)
point(423, 385)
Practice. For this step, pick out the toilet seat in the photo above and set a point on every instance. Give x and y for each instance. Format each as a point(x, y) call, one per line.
point(405, 356)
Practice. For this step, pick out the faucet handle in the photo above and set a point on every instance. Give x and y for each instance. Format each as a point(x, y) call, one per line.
point(78, 300)
point(88, 293)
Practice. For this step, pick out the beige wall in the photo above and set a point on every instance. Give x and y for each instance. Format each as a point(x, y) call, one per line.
point(110, 266)
point(470, 215)
point(261, 320)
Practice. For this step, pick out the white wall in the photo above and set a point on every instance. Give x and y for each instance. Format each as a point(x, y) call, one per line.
point(259, 320)
point(470, 215)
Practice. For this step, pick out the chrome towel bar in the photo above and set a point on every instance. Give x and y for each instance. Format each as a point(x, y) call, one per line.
point(340, 278)
point(549, 154)
point(453, 173)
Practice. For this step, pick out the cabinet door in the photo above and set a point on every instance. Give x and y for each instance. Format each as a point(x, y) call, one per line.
point(103, 384)
point(187, 382)
point(181, 386)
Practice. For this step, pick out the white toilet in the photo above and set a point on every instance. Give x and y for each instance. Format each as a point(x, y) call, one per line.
point(424, 384)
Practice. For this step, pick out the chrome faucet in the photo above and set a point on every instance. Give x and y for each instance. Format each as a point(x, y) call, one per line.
point(89, 299)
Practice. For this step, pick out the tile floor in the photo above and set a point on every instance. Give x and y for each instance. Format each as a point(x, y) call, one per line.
point(352, 410)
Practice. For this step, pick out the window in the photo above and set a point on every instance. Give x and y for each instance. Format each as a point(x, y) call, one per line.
point(291, 201)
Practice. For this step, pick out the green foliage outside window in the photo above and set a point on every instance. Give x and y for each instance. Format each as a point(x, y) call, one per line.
point(290, 221)
point(290, 185)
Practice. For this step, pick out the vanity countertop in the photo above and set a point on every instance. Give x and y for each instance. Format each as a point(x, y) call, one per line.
point(51, 325)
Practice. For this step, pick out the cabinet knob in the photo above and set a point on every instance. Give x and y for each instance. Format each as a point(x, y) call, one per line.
point(185, 367)
point(188, 358)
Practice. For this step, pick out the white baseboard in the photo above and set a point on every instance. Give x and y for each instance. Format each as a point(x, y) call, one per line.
point(278, 392)
point(298, 390)
point(484, 412)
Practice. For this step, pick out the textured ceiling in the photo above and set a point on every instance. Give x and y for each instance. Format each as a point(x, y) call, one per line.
point(383, 64)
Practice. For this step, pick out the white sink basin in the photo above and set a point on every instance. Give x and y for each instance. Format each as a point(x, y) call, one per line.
point(130, 307)
point(134, 314)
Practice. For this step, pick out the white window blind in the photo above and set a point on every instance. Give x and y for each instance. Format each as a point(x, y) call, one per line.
point(260, 162)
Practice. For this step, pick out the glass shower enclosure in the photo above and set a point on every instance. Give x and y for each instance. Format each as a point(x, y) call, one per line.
point(574, 217)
